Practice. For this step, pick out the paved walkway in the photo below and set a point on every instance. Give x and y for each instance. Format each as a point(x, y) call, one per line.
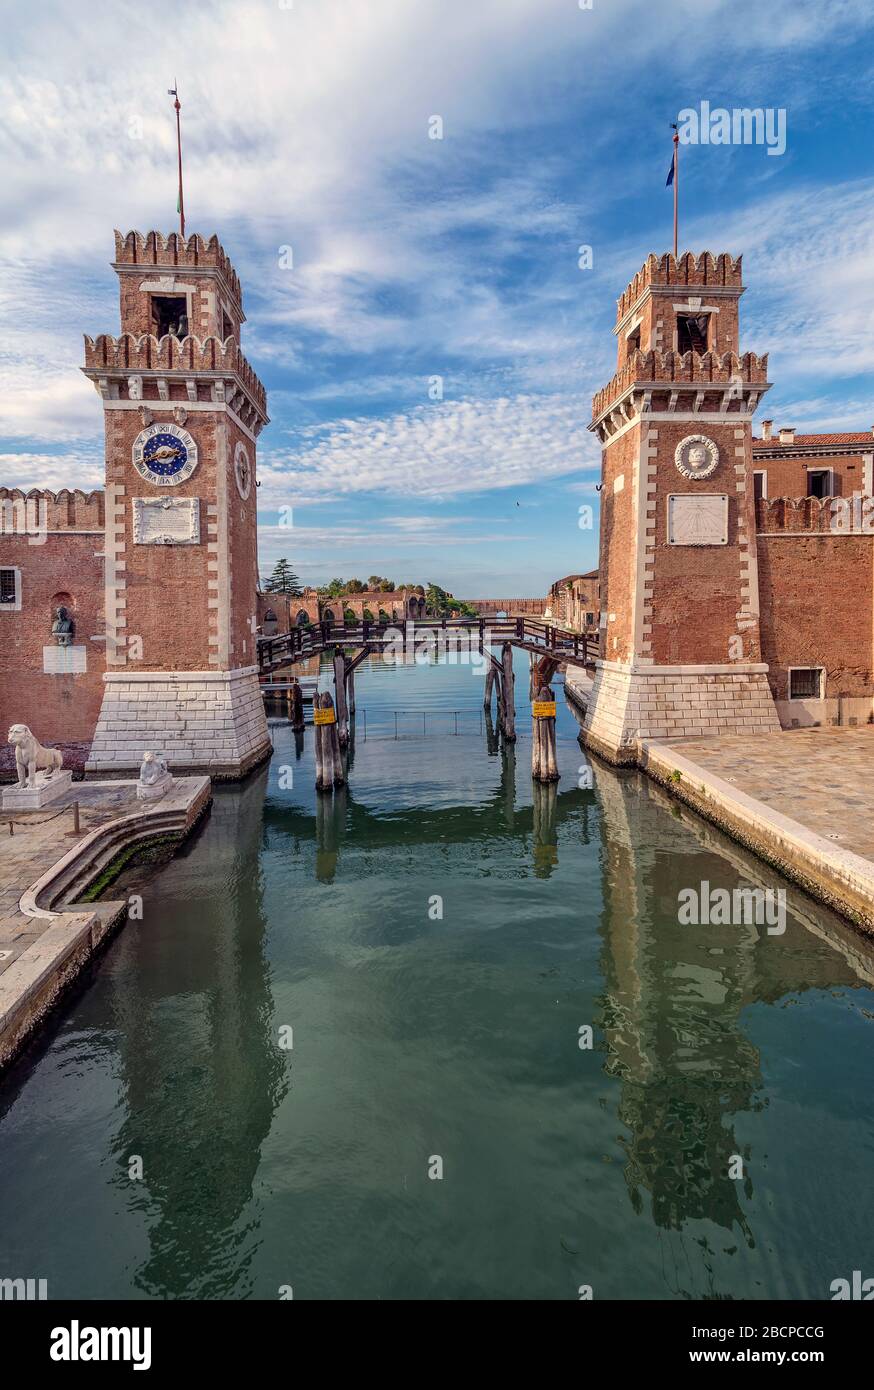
point(38, 841)
point(823, 778)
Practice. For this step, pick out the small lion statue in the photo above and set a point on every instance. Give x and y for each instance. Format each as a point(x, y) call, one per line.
point(153, 768)
point(31, 757)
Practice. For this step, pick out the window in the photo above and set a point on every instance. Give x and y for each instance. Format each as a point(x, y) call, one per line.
point(10, 589)
point(590, 620)
point(692, 332)
point(819, 482)
point(227, 327)
point(170, 315)
point(632, 342)
point(805, 683)
point(760, 484)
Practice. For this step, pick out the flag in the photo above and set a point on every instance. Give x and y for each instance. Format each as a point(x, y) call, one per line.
point(670, 179)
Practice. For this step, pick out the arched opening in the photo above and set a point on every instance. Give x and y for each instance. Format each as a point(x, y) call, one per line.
point(413, 607)
point(271, 623)
point(328, 616)
point(302, 618)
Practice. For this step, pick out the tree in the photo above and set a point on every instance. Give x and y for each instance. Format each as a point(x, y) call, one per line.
point(283, 580)
point(355, 586)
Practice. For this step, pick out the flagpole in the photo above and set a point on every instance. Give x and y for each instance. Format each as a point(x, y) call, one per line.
point(676, 188)
point(174, 92)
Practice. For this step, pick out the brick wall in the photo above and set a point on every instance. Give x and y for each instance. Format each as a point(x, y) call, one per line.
point(67, 569)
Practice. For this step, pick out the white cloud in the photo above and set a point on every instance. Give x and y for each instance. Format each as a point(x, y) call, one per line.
point(435, 451)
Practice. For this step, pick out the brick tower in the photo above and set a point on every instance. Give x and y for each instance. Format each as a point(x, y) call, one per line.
point(681, 648)
point(182, 412)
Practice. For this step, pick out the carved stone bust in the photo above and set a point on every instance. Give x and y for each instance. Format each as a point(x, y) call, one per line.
point(62, 627)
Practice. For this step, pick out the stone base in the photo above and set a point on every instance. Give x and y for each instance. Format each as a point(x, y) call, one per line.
point(44, 793)
point(630, 703)
point(153, 791)
point(201, 721)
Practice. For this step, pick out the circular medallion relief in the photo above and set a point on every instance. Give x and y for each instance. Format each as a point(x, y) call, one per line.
point(242, 471)
point(696, 456)
point(164, 453)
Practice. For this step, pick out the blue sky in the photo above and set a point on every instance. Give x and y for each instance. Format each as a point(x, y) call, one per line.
point(306, 125)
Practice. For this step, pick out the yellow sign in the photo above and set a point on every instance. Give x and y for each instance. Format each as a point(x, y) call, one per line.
point(543, 709)
point(324, 716)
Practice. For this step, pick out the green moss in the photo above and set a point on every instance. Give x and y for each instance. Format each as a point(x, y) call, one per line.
point(153, 852)
point(676, 776)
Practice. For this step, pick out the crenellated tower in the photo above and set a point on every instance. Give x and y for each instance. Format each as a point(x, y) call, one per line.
point(182, 412)
point(680, 651)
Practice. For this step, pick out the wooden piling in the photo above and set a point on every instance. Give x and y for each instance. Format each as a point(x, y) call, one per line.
point(509, 703)
point(324, 781)
point(340, 691)
point(295, 713)
point(333, 756)
point(350, 685)
point(490, 685)
point(544, 763)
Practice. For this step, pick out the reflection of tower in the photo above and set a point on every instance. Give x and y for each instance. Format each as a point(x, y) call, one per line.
point(679, 583)
point(674, 999)
point(671, 1019)
point(200, 1104)
point(182, 413)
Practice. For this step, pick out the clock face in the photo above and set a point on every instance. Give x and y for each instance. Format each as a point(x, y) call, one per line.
point(242, 471)
point(164, 453)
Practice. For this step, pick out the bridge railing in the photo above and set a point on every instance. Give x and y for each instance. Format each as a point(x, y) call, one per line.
point(299, 643)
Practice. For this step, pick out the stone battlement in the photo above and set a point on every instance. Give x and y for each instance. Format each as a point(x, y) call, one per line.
point(129, 353)
point(687, 368)
point(687, 271)
point(154, 249)
point(839, 516)
point(67, 510)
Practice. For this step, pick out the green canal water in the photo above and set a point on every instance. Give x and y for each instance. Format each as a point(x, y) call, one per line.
point(416, 1037)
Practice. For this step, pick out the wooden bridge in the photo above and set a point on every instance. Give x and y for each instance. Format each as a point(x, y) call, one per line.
point(545, 640)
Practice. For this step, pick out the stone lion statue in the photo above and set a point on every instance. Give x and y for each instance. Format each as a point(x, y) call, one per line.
point(153, 768)
point(31, 757)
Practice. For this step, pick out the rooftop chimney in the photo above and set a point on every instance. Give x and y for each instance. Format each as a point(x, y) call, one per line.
point(787, 434)
point(768, 425)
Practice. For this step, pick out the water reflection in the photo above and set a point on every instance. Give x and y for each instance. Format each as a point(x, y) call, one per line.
point(459, 1036)
point(202, 1070)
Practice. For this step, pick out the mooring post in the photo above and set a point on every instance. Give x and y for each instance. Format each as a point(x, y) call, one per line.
point(335, 762)
point(490, 685)
point(544, 764)
point(509, 715)
point(296, 712)
point(329, 760)
point(340, 691)
point(323, 782)
point(351, 687)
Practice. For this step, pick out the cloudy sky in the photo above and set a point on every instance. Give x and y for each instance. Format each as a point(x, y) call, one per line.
point(307, 126)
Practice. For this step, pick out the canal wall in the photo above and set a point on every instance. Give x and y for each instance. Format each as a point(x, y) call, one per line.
point(837, 877)
point(68, 934)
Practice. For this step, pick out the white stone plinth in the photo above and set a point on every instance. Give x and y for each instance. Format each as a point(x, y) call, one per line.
point(47, 790)
point(629, 704)
point(153, 791)
point(202, 721)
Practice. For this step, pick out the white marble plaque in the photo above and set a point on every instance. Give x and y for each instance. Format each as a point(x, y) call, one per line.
point(64, 661)
point(166, 520)
point(698, 518)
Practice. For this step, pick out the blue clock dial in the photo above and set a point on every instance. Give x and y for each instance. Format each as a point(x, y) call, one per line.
point(165, 455)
